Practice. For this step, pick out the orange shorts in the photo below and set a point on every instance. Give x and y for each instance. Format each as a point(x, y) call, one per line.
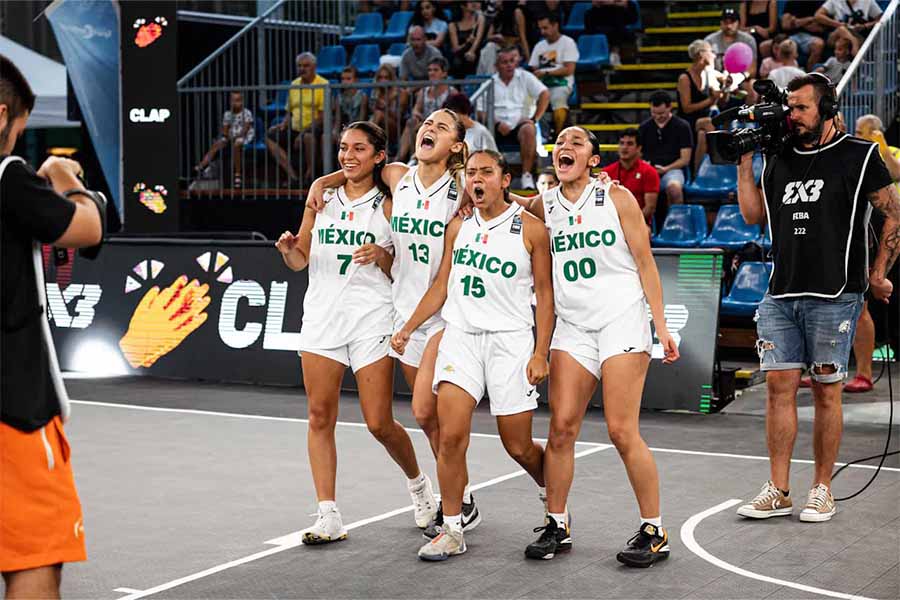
point(40, 515)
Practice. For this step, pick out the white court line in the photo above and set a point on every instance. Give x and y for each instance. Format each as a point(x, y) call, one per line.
point(687, 536)
point(292, 540)
point(125, 590)
point(191, 411)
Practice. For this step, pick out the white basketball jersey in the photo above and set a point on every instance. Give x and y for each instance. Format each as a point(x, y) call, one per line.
point(595, 278)
point(346, 301)
point(490, 280)
point(418, 220)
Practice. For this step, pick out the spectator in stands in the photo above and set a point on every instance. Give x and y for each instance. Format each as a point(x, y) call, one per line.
point(477, 135)
point(547, 180)
point(783, 74)
point(510, 29)
point(466, 35)
point(798, 21)
point(759, 18)
point(557, 8)
point(352, 103)
point(729, 34)
point(698, 91)
point(425, 16)
point(553, 62)
point(773, 61)
point(837, 65)
point(666, 144)
point(387, 104)
point(303, 121)
point(428, 100)
point(870, 127)
point(520, 100)
point(634, 173)
point(237, 131)
point(415, 59)
point(611, 17)
point(385, 7)
point(849, 19)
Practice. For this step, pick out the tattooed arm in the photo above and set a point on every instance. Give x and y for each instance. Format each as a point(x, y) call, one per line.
point(887, 201)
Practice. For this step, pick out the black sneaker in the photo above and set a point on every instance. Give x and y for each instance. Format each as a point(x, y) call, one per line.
point(471, 518)
point(552, 540)
point(648, 545)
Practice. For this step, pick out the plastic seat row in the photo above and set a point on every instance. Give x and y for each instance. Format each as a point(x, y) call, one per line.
point(747, 291)
point(685, 227)
point(717, 181)
point(574, 25)
point(369, 28)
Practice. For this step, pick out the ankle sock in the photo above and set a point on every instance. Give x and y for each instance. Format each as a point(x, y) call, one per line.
point(560, 519)
point(326, 506)
point(416, 482)
point(655, 521)
point(467, 495)
point(453, 522)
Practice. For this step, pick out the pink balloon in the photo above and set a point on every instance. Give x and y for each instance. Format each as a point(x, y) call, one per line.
point(738, 57)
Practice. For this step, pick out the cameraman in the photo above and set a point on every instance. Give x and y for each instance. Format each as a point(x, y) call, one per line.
point(814, 193)
point(40, 515)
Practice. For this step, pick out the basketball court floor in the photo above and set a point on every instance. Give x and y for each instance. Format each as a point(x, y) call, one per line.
point(194, 490)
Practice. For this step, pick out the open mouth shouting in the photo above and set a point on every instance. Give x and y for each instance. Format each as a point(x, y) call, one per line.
point(428, 141)
point(478, 190)
point(565, 161)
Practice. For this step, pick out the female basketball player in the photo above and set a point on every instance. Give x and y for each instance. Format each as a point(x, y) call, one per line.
point(425, 198)
point(491, 262)
point(604, 276)
point(348, 318)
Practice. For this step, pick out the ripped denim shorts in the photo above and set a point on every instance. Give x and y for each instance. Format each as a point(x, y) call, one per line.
point(803, 333)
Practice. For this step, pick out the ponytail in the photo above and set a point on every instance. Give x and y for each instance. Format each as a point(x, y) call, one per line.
point(456, 162)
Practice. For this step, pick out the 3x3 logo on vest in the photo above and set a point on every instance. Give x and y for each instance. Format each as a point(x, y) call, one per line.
point(802, 191)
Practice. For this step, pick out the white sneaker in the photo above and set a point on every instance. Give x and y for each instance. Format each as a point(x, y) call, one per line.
point(448, 543)
point(820, 505)
point(426, 505)
point(329, 528)
point(527, 181)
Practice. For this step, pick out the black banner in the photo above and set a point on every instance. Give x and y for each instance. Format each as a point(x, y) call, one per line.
point(149, 116)
point(135, 310)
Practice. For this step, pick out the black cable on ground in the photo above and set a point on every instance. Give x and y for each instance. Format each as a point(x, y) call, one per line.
point(887, 442)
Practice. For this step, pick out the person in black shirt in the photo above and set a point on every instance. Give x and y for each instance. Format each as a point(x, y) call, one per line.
point(667, 145)
point(39, 507)
point(814, 196)
point(798, 21)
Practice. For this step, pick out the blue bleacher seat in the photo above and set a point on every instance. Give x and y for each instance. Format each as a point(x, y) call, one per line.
point(685, 227)
point(366, 58)
point(712, 181)
point(368, 28)
point(396, 27)
point(397, 49)
point(638, 24)
point(748, 289)
point(276, 107)
point(730, 231)
point(574, 27)
point(757, 166)
point(593, 51)
point(259, 137)
point(330, 61)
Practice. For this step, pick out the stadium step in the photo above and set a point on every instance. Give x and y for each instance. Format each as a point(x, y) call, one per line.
point(607, 127)
point(695, 14)
point(619, 105)
point(665, 52)
point(648, 72)
point(649, 86)
point(668, 66)
point(705, 29)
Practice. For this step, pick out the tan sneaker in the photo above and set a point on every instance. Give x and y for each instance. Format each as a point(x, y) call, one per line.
point(820, 505)
point(448, 543)
point(770, 502)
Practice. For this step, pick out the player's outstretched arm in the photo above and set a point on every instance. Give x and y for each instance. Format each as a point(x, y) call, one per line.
point(635, 229)
point(436, 295)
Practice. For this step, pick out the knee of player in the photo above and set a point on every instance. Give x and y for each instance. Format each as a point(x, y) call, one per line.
point(321, 419)
point(426, 416)
point(452, 443)
point(519, 450)
point(563, 433)
point(623, 436)
point(381, 428)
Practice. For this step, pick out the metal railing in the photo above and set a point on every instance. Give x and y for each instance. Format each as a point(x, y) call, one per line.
point(288, 151)
point(266, 48)
point(870, 85)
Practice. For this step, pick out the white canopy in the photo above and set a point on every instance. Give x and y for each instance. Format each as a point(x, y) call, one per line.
point(47, 79)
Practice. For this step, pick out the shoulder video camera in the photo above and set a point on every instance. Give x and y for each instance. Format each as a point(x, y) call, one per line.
point(770, 135)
